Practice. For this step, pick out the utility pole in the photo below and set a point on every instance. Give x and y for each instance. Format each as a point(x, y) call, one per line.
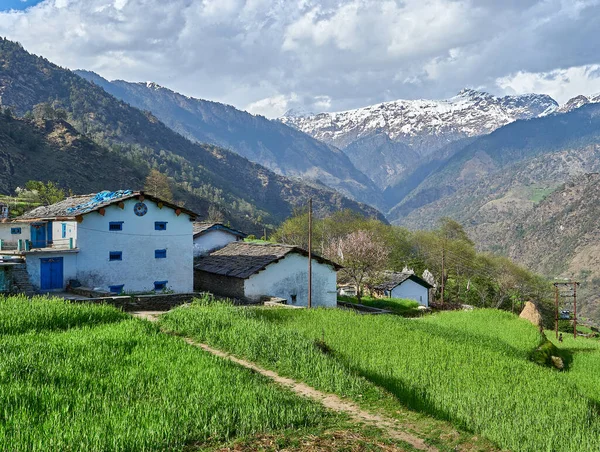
point(443, 272)
point(309, 253)
point(556, 309)
point(575, 310)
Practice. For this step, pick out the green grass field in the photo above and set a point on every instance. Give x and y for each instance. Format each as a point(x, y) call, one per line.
point(471, 368)
point(81, 377)
point(399, 306)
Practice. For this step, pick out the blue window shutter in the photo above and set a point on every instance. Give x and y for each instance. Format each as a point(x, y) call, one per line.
point(116, 288)
point(115, 226)
point(64, 230)
point(160, 285)
point(160, 225)
point(15, 230)
point(115, 255)
point(160, 254)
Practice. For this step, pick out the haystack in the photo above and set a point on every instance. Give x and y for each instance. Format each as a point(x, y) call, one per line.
point(531, 313)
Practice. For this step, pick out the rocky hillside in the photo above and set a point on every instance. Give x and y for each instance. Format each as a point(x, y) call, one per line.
point(272, 144)
point(207, 174)
point(539, 151)
point(420, 127)
point(561, 236)
point(578, 101)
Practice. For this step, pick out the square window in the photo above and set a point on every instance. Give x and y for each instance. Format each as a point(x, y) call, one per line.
point(116, 289)
point(160, 285)
point(160, 254)
point(160, 225)
point(15, 230)
point(115, 256)
point(115, 226)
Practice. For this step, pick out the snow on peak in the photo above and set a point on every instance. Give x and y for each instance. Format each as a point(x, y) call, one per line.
point(415, 122)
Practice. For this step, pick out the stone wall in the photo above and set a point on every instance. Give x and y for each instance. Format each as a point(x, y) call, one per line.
point(223, 286)
point(158, 302)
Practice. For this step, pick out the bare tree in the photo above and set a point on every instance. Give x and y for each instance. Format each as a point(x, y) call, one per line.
point(157, 184)
point(361, 254)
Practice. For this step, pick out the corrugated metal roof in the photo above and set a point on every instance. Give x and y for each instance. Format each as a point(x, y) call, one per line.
point(242, 259)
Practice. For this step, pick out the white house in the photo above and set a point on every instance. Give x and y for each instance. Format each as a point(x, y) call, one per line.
point(111, 241)
point(251, 271)
point(209, 237)
point(405, 285)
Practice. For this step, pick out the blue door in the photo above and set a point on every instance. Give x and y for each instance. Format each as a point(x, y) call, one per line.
point(38, 235)
point(51, 271)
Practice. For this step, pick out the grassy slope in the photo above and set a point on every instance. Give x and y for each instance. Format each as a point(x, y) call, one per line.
point(90, 378)
point(399, 306)
point(471, 368)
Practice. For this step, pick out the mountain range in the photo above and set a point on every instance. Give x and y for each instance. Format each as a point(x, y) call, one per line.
point(282, 149)
point(403, 131)
point(204, 174)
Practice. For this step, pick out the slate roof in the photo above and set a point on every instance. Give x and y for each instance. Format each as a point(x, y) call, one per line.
point(200, 227)
point(242, 259)
point(83, 204)
point(394, 279)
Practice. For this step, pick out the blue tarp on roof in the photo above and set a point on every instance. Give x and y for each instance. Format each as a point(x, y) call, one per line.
point(104, 197)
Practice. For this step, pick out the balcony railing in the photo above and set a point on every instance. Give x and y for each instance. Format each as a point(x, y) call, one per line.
point(22, 245)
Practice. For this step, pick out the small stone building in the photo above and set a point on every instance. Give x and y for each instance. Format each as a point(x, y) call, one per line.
point(251, 271)
point(209, 237)
point(404, 285)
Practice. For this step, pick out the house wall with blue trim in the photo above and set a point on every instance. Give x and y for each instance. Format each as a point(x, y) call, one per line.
point(7, 234)
point(288, 279)
point(34, 268)
point(137, 240)
point(212, 240)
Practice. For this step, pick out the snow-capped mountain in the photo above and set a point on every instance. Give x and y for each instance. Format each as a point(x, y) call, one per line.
point(413, 129)
point(578, 101)
point(422, 123)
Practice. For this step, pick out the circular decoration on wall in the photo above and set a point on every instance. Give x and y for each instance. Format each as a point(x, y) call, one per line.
point(140, 209)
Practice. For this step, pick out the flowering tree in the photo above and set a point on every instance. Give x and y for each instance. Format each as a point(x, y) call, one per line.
point(361, 254)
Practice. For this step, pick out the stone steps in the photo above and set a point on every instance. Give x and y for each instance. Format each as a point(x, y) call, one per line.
point(21, 281)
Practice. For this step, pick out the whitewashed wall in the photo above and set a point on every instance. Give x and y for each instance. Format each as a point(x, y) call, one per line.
point(34, 266)
point(71, 230)
point(289, 277)
point(7, 237)
point(412, 291)
point(211, 241)
point(138, 240)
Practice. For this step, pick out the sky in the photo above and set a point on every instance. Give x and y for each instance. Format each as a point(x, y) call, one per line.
point(268, 56)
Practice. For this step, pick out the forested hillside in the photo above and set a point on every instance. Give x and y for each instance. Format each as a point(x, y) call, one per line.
point(32, 86)
point(272, 144)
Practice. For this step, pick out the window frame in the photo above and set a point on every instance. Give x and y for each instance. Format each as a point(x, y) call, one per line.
point(16, 230)
point(112, 256)
point(112, 224)
point(160, 285)
point(160, 225)
point(160, 254)
point(112, 286)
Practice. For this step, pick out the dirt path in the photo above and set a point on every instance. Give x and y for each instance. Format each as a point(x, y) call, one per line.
point(389, 426)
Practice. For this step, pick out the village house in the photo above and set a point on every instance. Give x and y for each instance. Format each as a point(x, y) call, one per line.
point(209, 237)
point(404, 285)
point(110, 241)
point(254, 271)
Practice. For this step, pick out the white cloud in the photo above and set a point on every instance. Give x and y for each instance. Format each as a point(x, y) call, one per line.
point(270, 55)
point(561, 84)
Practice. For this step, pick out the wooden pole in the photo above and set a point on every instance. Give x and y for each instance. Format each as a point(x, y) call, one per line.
point(443, 273)
point(574, 310)
point(310, 253)
point(556, 310)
